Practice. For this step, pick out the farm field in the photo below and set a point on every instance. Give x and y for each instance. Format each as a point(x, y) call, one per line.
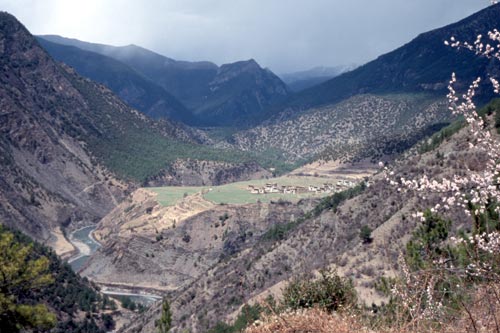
point(237, 193)
point(169, 195)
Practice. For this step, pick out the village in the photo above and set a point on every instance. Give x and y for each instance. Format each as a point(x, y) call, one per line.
point(291, 189)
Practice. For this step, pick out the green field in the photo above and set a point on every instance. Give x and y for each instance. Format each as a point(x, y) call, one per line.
point(168, 196)
point(237, 193)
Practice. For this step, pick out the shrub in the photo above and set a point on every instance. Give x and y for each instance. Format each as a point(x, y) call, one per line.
point(329, 292)
point(366, 234)
point(186, 238)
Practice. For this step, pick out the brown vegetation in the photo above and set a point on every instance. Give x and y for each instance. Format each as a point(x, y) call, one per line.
point(312, 320)
point(481, 314)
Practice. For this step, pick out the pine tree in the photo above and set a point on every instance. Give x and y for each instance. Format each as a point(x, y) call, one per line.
point(21, 272)
point(165, 322)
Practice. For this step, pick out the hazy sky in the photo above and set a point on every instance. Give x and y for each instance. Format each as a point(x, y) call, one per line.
point(284, 35)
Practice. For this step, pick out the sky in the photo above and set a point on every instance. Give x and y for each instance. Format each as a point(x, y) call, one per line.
point(283, 35)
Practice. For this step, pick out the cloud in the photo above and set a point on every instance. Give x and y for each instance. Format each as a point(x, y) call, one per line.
point(285, 35)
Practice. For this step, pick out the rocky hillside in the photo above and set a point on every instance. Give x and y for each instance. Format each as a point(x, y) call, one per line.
point(128, 84)
point(362, 127)
point(49, 179)
point(329, 235)
point(147, 245)
point(229, 95)
point(69, 147)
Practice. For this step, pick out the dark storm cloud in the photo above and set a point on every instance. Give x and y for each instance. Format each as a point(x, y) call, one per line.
point(285, 35)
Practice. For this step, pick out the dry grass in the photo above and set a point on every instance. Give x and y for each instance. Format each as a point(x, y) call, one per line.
point(480, 315)
point(312, 320)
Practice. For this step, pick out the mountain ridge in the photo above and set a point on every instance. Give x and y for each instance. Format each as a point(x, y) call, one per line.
point(128, 84)
point(424, 64)
point(301, 80)
point(419, 70)
point(45, 170)
point(198, 84)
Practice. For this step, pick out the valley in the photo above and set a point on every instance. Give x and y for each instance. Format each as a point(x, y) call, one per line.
point(222, 197)
point(191, 228)
point(288, 188)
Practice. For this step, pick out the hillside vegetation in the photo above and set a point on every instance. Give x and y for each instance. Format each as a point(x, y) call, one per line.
point(369, 127)
point(44, 293)
point(135, 147)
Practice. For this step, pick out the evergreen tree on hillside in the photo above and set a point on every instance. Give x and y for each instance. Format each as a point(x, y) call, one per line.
point(165, 322)
point(21, 273)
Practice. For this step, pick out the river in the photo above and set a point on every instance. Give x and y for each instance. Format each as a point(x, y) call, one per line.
point(83, 240)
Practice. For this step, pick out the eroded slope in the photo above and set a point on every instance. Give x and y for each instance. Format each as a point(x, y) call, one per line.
point(148, 245)
point(329, 238)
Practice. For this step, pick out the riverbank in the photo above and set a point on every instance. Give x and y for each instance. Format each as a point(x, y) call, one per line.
point(62, 245)
point(85, 243)
point(143, 298)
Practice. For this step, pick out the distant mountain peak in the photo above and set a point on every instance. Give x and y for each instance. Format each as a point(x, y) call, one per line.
point(298, 81)
point(201, 86)
point(238, 67)
point(250, 67)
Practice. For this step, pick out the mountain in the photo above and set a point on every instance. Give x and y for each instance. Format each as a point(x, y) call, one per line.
point(129, 85)
point(49, 177)
point(298, 81)
point(259, 263)
point(239, 93)
point(229, 95)
point(423, 65)
point(188, 81)
point(70, 150)
point(379, 109)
